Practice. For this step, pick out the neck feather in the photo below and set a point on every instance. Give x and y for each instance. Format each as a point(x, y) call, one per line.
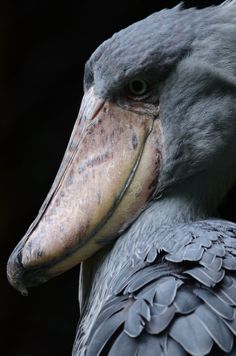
point(191, 200)
point(196, 198)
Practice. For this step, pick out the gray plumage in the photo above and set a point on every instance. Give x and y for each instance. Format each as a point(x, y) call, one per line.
point(171, 302)
point(168, 285)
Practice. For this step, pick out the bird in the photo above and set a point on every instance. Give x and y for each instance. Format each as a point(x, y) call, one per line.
point(135, 200)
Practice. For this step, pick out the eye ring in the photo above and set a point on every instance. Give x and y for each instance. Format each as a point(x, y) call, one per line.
point(138, 87)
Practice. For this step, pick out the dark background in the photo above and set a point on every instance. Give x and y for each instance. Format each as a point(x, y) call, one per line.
point(43, 46)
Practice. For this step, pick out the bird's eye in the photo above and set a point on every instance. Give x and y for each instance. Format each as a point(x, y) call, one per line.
point(138, 88)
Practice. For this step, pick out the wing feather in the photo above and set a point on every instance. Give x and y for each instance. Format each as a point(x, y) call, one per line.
point(188, 332)
point(179, 299)
point(217, 305)
point(215, 327)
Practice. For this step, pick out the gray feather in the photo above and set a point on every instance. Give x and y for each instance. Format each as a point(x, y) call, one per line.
point(207, 277)
point(134, 324)
point(222, 296)
point(176, 256)
point(166, 289)
point(173, 348)
point(231, 324)
point(149, 345)
point(230, 293)
point(104, 333)
point(143, 309)
point(138, 313)
point(110, 310)
point(229, 262)
point(143, 278)
point(152, 254)
point(123, 346)
point(218, 250)
point(215, 327)
point(125, 277)
point(188, 332)
point(204, 241)
point(159, 321)
point(210, 261)
point(145, 345)
point(193, 252)
point(186, 302)
point(147, 293)
point(227, 282)
point(217, 305)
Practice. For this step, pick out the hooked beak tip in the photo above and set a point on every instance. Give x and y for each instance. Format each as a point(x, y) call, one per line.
point(15, 273)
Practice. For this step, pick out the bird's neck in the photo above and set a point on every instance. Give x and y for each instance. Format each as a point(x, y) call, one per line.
point(193, 199)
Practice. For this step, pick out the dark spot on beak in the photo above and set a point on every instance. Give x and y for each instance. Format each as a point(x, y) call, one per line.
point(134, 141)
point(39, 253)
point(73, 146)
point(70, 179)
point(99, 196)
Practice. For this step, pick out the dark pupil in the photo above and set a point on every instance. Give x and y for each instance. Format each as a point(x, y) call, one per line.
point(137, 86)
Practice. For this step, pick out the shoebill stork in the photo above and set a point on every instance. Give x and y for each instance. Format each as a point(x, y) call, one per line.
point(151, 156)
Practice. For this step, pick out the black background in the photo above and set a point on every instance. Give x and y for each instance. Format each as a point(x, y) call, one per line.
point(43, 46)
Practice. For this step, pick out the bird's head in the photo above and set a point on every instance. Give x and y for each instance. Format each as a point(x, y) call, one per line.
point(159, 107)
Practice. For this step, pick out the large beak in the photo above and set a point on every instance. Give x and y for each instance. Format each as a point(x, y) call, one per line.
point(106, 178)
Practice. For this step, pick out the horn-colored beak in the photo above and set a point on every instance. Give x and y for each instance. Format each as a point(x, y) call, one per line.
point(106, 178)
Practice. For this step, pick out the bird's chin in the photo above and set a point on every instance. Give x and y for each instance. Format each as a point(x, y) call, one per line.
point(107, 176)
